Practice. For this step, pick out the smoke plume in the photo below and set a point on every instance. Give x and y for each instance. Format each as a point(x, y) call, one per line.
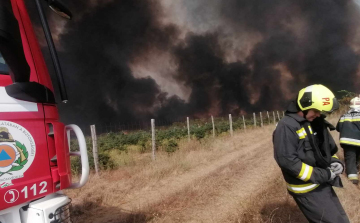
point(142, 59)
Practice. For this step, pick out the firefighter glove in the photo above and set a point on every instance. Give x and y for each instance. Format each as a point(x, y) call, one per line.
point(332, 176)
point(337, 168)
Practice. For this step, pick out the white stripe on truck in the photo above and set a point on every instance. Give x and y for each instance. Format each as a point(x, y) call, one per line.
point(9, 104)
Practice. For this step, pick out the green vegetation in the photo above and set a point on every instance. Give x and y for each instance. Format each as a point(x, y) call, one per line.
point(167, 139)
point(345, 96)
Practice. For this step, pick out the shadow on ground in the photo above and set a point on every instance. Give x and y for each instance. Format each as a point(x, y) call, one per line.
point(282, 212)
point(274, 213)
point(100, 214)
point(272, 205)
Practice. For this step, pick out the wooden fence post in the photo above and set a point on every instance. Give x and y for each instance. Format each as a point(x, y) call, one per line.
point(283, 114)
point(213, 125)
point(278, 115)
point(95, 149)
point(261, 120)
point(268, 117)
point(254, 119)
point(188, 127)
point(153, 138)
point(231, 127)
point(244, 123)
point(274, 118)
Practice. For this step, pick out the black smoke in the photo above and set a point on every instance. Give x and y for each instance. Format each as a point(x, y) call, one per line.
point(311, 39)
point(96, 54)
point(320, 54)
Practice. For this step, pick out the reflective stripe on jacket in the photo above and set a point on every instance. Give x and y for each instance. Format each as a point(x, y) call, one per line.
point(349, 128)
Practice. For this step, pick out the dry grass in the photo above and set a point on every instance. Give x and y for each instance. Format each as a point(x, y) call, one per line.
point(226, 179)
point(272, 205)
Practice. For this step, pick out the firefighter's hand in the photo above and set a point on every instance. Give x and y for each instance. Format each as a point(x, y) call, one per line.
point(333, 175)
point(337, 168)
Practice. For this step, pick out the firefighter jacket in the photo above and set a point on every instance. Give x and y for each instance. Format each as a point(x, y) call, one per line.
point(304, 151)
point(349, 128)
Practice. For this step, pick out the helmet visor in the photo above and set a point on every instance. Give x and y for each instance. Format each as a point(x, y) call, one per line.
point(336, 105)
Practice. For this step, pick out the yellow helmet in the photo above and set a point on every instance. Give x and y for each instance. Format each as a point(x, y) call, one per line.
point(355, 103)
point(317, 97)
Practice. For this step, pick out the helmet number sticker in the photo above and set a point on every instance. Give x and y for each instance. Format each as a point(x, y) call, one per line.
point(326, 101)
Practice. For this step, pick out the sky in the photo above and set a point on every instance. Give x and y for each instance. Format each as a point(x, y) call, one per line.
point(140, 59)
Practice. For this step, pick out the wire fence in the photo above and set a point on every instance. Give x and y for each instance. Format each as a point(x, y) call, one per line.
point(162, 135)
point(250, 120)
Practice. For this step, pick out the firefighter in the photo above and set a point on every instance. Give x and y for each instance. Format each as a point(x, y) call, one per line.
point(305, 152)
point(349, 128)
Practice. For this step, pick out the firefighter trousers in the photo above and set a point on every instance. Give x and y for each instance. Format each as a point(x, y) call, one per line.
point(351, 155)
point(321, 205)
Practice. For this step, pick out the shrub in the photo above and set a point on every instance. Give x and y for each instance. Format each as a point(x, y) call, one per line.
point(170, 145)
point(105, 161)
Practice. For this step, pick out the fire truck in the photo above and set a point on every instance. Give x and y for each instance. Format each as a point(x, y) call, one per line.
point(35, 151)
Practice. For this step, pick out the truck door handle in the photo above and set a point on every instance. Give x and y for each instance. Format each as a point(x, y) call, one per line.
point(82, 153)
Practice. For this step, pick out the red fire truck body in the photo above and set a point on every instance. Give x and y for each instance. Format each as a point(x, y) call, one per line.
point(34, 144)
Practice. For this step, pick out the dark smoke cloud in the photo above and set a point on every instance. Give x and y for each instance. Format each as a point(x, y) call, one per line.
point(96, 56)
point(320, 54)
point(212, 80)
point(306, 41)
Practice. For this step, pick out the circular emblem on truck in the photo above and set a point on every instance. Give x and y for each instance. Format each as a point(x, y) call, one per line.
point(11, 196)
point(17, 152)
